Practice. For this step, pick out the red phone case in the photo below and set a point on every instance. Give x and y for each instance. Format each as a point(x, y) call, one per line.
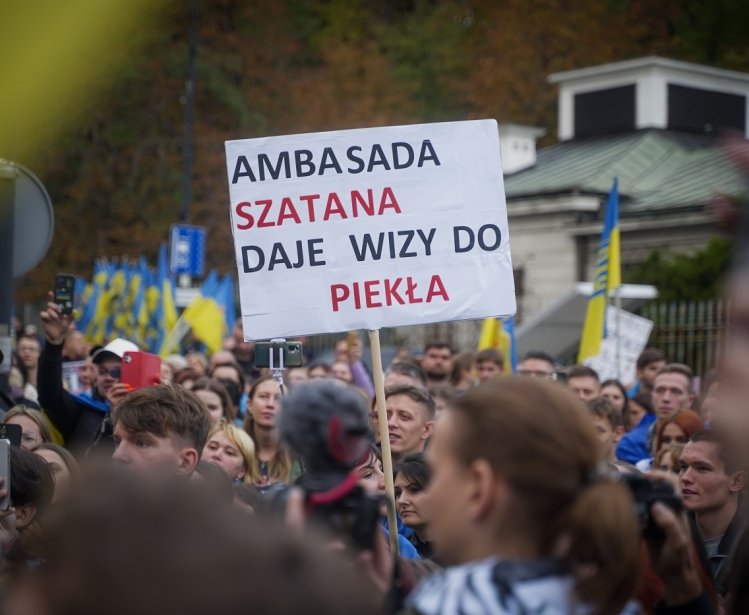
point(140, 369)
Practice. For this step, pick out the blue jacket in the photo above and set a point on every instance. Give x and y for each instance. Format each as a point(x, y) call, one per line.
point(634, 445)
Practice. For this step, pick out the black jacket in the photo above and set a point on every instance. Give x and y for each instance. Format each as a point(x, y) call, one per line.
point(82, 422)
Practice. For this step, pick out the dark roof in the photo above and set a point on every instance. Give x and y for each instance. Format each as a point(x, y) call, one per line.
point(657, 170)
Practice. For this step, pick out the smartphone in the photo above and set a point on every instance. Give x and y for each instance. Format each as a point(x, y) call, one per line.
point(11, 433)
point(5, 473)
point(140, 369)
point(291, 351)
point(65, 292)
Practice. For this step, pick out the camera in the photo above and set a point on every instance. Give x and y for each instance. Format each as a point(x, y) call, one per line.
point(278, 353)
point(646, 493)
point(327, 427)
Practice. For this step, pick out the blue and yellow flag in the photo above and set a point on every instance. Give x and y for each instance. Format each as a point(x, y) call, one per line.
point(499, 333)
point(608, 277)
point(166, 313)
point(206, 314)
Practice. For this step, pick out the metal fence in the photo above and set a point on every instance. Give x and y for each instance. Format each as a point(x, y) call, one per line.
point(691, 332)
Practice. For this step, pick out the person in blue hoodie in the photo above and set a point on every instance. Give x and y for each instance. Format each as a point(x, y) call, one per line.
point(633, 445)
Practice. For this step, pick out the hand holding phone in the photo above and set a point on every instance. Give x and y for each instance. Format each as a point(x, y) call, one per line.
point(140, 370)
point(65, 292)
point(12, 433)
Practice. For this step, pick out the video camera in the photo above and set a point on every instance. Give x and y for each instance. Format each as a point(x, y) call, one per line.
point(647, 492)
point(326, 425)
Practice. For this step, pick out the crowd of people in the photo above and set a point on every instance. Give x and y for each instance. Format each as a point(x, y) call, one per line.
point(510, 489)
point(225, 488)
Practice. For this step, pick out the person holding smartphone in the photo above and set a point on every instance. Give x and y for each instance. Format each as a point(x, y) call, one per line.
point(83, 419)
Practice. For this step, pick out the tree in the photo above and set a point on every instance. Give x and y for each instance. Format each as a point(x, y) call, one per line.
point(686, 277)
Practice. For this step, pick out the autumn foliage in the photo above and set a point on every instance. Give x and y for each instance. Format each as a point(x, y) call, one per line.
point(289, 66)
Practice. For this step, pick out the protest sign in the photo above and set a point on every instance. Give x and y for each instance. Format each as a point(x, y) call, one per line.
point(369, 228)
point(633, 332)
point(71, 376)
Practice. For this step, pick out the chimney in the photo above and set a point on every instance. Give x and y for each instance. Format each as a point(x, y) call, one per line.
point(517, 145)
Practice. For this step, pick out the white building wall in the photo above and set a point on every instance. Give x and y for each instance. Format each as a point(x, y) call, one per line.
point(547, 254)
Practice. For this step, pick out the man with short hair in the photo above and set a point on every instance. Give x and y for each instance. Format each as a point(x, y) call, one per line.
point(649, 363)
point(243, 352)
point(607, 419)
point(537, 364)
point(437, 362)
point(405, 372)
point(672, 390)
point(711, 484)
point(74, 348)
point(584, 382)
point(489, 364)
point(410, 413)
point(160, 428)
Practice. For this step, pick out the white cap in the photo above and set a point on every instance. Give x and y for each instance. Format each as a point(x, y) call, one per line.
point(114, 350)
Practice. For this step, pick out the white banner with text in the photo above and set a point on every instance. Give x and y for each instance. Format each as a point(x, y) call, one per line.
point(370, 228)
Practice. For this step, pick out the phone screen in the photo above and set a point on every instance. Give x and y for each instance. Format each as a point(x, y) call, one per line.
point(65, 292)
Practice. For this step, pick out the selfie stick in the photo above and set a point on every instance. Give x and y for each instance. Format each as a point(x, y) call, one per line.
point(277, 371)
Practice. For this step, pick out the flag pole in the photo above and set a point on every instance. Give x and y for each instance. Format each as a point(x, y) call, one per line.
point(618, 300)
point(387, 458)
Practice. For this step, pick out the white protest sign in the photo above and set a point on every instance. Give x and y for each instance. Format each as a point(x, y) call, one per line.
point(71, 376)
point(369, 228)
point(634, 332)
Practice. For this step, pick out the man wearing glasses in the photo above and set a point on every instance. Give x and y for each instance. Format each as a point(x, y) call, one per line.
point(537, 364)
point(82, 420)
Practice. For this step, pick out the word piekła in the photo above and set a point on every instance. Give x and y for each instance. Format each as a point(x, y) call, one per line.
point(379, 293)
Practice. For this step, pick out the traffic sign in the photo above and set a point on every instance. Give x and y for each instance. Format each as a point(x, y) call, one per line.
point(187, 251)
point(34, 221)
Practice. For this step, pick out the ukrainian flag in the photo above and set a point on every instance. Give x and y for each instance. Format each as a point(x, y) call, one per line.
point(607, 278)
point(166, 313)
point(499, 333)
point(206, 314)
point(102, 297)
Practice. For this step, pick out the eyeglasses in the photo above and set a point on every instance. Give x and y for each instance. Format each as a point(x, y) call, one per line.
point(537, 374)
point(113, 373)
point(30, 438)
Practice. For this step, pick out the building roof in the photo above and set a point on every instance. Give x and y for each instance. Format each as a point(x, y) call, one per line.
point(657, 170)
point(648, 62)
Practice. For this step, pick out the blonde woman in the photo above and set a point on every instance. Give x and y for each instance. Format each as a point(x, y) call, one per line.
point(233, 450)
point(34, 425)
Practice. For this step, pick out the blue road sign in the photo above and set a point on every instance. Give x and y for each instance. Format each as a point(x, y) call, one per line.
point(187, 250)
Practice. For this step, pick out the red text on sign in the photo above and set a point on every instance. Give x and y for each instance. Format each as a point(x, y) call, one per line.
point(379, 293)
point(315, 208)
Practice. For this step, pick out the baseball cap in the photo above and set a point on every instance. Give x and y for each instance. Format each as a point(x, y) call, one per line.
point(114, 350)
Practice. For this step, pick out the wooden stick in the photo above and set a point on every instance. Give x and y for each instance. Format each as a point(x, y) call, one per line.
point(382, 419)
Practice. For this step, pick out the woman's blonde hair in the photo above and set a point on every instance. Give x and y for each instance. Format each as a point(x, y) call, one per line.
point(539, 437)
point(244, 445)
point(45, 433)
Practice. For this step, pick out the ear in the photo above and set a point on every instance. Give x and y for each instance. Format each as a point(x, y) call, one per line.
point(618, 433)
point(25, 515)
point(428, 429)
point(485, 490)
point(188, 459)
point(738, 481)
